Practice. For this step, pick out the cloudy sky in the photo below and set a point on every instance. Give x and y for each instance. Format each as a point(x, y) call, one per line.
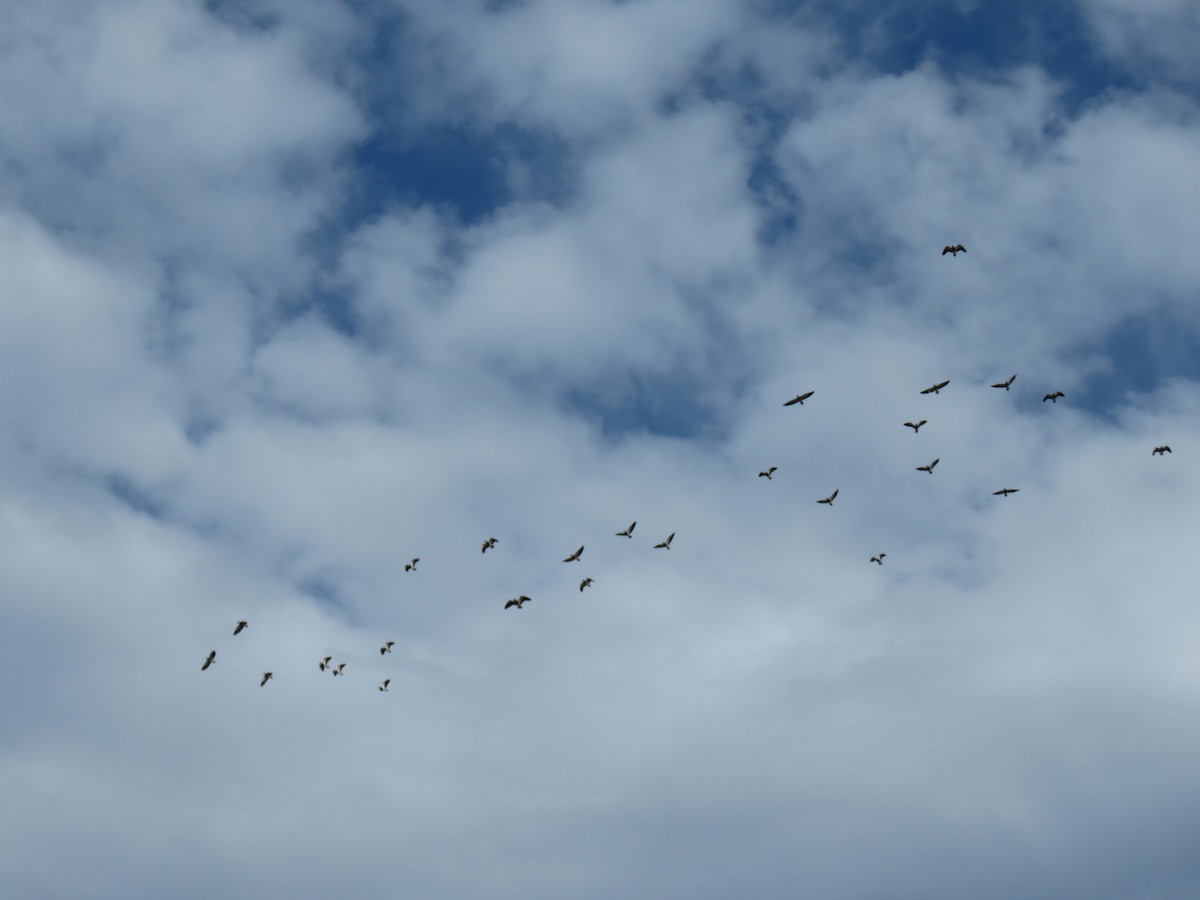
point(297, 290)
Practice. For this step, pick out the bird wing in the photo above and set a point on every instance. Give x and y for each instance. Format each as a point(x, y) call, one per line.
point(793, 401)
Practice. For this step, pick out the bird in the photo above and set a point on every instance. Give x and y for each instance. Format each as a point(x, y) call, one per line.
point(829, 500)
point(666, 545)
point(518, 602)
point(928, 468)
point(628, 532)
point(937, 388)
point(574, 557)
point(955, 250)
point(488, 545)
point(386, 682)
point(767, 473)
point(1053, 398)
point(237, 629)
point(1159, 451)
point(1004, 492)
point(879, 558)
point(338, 670)
point(267, 676)
point(1006, 384)
point(324, 664)
point(386, 648)
point(412, 566)
point(209, 661)
point(799, 398)
point(584, 583)
point(915, 426)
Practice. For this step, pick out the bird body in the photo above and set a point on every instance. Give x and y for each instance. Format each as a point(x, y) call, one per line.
point(1004, 492)
point(574, 557)
point(412, 566)
point(212, 657)
point(1159, 451)
point(1006, 384)
point(878, 559)
point(767, 473)
point(953, 250)
point(799, 398)
point(828, 501)
point(518, 602)
point(937, 388)
point(237, 629)
point(324, 664)
point(1053, 398)
point(929, 468)
point(915, 426)
point(383, 687)
point(628, 532)
point(338, 670)
point(267, 676)
point(585, 583)
point(386, 648)
point(666, 545)
point(488, 545)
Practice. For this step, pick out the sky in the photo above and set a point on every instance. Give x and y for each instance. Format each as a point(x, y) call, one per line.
point(296, 291)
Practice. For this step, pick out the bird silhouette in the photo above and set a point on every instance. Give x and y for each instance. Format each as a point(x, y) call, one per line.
point(338, 671)
point(1004, 492)
point(928, 468)
point(879, 558)
point(387, 648)
point(937, 388)
point(488, 545)
point(324, 664)
point(584, 583)
point(829, 500)
point(799, 398)
point(267, 676)
point(412, 566)
point(383, 687)
point(666, 545)
point(1006, 384)
point(237, 629)
point(1053, 398)
point(574, 557)
point(212, 657)
point(1159, 451)
point(955, 250)
point(518, 602)
point(628, 532)
point(915, 426)
point(767, 473)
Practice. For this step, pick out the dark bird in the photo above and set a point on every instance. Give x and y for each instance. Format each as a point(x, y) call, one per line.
point(324, 664)
point(412, 566)
point(1053, 398)
point(1159, 451)
point(879, 558)
point(767, 474)
point(518, 602)
point(799, 398)
point(338, 670)
point(488, 545)
point(386, 682)
point(1006, 384)
point(666, 545)
point(1004, 492)
point(212, 657)
point(937, 388)
point(574, 557)
point(584, 583)
point(239, 627)
point(387, 648)
point(829, 500)
point(928, 468)
point(267, 676)
point(955, 250)
point(915, 426)
point(628, 532)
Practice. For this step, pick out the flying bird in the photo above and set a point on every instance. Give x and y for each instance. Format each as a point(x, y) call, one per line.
point(1159, 451)
point(879, 558)
point(666, 545)
point(412, 566)
point(767, 474)
point(386, 648)
point(1053, 398)
point(338, 670)
point(1004, 492)
point(955, 250)
point(386, 682)
point(937, 388)
point(267, 676)
point(829, 500)
point(628, 532)
point(488, 545)
point(799, 398)
point(584, 583)
point(574, 557)
point(209, 661)
point(915, 426)
point(928, 468)
point(239, 627)
point(518, 602)
point(1006, 384)
point(324, 664)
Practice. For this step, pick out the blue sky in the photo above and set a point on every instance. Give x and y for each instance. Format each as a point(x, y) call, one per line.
point(298, 291)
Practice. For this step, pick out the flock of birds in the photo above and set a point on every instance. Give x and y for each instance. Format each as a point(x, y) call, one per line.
point(326, 663)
